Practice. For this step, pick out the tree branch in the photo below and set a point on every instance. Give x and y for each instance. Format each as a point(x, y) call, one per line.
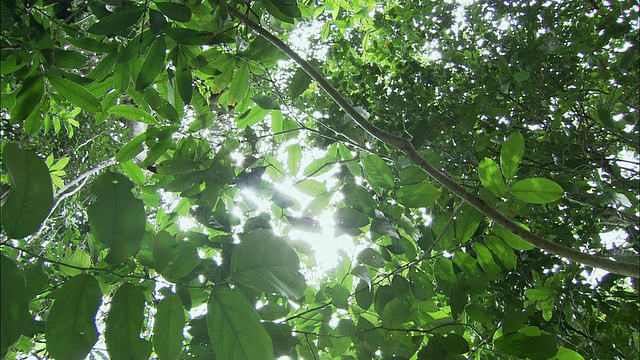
point(445, 180)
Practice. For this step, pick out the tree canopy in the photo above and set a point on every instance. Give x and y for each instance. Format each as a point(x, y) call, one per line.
point(481, 157)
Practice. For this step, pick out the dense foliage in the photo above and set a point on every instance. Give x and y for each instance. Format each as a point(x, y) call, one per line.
point(142, 140)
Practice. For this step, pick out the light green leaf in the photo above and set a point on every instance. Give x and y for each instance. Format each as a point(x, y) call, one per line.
point(124, 323)
point(537, 190)
point(417, 195)
point(491, 177)
point(133, 148)
point(346, 217)
point(234, 327)
point(299, 83)
point(513, 241)
point(153, 64)
point(76, 94)
point(168, 328)
point(132, 113)
point(14, 306)
point(378, 173)
point(539, 294)
point(485, 259)
point(511, 155)
point(70, 329)
point(116, 217)
point(294, 158)
point(501, 250)
point(395, 313)
point(566, 354)
point(31, 194)
point(239, 85)
point(268, 263)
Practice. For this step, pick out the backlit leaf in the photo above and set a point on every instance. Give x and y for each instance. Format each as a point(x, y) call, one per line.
point(153, 64)
point(132, 113)
point(116, 23)
point(27, 99)
point(268, 263)
point(417, 195)
point(175, 11)
point(511, 154)
point(491, 177)
point(537, 190)
point(378, 173)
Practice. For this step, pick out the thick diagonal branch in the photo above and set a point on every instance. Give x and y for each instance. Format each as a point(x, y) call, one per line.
point(406, 147)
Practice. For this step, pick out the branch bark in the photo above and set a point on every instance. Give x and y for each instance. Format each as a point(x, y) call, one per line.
point(406, 147)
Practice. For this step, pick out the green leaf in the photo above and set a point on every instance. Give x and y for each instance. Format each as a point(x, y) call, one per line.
point(168, 328)
point(132, 113)
point(194, 37)
point(294, 158)
point(566, 354)
point(364, 295)
point(521, 76)
point(520, 344)
point(160, 105)
point(417, 195)
point(466, 223)
point(234, 327)
point(285, 11)
point(14, 306)
point(37, 280)
point(501, 250)
point(103, 68)
point(31, 194)
point(175, 11)
point(299, 83)
point(116, 217)
point(511, 155)
point(539, 294)
point(153, 64)
point(537, 190)
point(485, 259)
point(512, 240)
point(370, 257)
point(133, 148)
point(378, 173)
point(116, 23)
point(395, 313)
point(184, 78)
point(491, 177)
point(268, 263)
point(27, 99)
point(266, 102)
point(177, 166)
point(124, 323)
point(364, 274)
point(76, 94)
point(347, 217)
point(70, 329)
point(186, 260)
point(239, 85)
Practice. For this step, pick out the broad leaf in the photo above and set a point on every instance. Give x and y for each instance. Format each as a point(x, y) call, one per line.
point(70, 329)
point(27, 98)
point(234, 327)
point(370, 257)
point(378, 173)
point(417, 195)
point(31, 194)
point(466, 223)
point(537, 190)
point(168, 328)
point(513, 241)
point(239, 85)
point(153, 64)
point(268, 263)
point(116, 23)
point(124, 323)
point(132, 113)
point(14, 306)
point(175, 11)
point(116, 217)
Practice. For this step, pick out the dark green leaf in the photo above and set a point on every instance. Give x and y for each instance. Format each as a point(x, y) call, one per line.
point(370, 257)
point(116, 217)
point(175, 11)
point(350, 218)
point(542, 346)
point(153, 64)
point(124, 323)
point(14, 307)
point(27, 99)
point(169, 327)
point(70, 329)
point(234, 327)
point(299, 83)
point(76, 94)
point(266, 102)
point(116, 23)
point(31, 195)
